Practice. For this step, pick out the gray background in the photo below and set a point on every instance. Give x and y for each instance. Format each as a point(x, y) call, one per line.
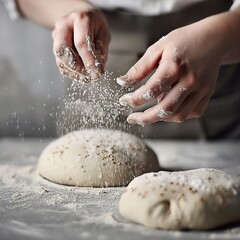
point(32, 90)
point(30, 84)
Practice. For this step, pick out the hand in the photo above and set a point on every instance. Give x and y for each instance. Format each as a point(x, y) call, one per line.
point(81, 41)
point(187, 62)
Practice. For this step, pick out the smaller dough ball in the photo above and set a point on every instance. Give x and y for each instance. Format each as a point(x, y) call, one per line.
point(97, 158)
point(196, 199)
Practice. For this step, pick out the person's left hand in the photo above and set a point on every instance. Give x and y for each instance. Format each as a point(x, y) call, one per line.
point(187, 62)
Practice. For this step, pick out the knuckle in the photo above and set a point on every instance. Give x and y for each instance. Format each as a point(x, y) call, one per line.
point(60, 23)
point(178, 56)
point(191, 81)
point(135, 69)
point(175, 70)
point(75, 15)
point(78, 15)
point(82, 15)
point(154, 92)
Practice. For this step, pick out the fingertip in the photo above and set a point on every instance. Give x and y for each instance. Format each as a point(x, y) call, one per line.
point(94, 74)
point(123, 102)
point(128, 100)
point(133, 119)
point(68, 56)
point(122, 80)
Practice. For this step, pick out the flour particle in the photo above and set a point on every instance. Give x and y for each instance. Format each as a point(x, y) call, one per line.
point(93, 105)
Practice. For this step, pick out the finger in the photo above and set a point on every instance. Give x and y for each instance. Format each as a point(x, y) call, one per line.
point(162, 111)
point(102, 43)
point(84, 43)
point(60, 64)
point(63, 49)
point(184, 111)
point(71, 74)
point(65, 70)
point(160, 82)
point(199, 108)
point(172, 100)
point(146, 64)
point(102, 51)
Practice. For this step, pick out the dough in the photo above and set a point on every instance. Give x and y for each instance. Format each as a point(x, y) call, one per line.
point(196, 199)
point(97, 158)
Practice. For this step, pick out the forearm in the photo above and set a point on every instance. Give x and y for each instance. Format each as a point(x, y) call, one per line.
point(232, 37)
point(223, 32)
point(48, 12)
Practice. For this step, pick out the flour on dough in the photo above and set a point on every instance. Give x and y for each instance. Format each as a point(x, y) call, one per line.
point(97, 158)
point(195, 199)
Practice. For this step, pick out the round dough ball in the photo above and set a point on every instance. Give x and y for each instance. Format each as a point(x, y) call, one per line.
point(196, 199)
point(97, 158)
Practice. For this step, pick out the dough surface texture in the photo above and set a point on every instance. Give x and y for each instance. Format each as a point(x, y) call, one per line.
point(96, 158)
point(195, 199)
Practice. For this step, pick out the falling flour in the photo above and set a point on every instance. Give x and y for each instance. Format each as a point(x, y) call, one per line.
point(94, 105)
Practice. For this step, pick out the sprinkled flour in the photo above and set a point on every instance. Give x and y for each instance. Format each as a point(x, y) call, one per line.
point(32, 207)
point(94, 105)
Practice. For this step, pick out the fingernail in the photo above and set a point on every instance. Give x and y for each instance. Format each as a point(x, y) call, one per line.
point(122, 80)
point(94, 74)
point(84, 78)
point(123, 101)
point(65, 73)
point(68, 56)
point(133, 121)
point(61, 65)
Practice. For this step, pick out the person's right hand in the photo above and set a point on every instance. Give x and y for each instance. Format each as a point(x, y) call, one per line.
point(185, 66)
point(80, 44)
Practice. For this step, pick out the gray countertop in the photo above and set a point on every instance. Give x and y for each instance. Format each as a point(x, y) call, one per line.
point(34, 208)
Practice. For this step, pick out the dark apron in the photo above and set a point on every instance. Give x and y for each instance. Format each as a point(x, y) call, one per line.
point(131, 35)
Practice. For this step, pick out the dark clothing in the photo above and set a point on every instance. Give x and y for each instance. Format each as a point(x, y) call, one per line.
point(131, 35)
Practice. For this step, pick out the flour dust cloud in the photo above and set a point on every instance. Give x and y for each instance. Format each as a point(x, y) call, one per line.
point(93, 105)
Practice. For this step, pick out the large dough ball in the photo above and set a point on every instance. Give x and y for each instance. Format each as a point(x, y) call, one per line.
point(97, 158)
point(195, 199)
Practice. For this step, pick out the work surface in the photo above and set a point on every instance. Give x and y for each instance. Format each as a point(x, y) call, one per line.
point(33, 208)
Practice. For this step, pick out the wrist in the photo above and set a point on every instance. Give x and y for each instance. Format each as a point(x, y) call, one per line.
point(51, 10)
point(67, 8)
point(223, 35)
